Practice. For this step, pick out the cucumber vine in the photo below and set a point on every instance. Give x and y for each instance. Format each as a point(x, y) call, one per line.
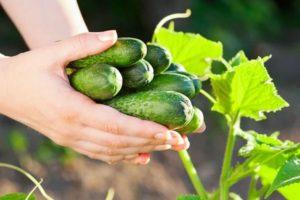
point(244, 89)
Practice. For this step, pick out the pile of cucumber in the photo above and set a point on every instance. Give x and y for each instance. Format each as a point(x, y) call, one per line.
point(140, 80)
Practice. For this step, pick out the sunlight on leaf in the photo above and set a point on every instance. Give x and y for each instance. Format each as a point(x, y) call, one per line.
point(193, 51)
point(247, 90)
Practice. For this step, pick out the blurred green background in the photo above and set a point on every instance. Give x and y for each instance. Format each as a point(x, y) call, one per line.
point(259, 27)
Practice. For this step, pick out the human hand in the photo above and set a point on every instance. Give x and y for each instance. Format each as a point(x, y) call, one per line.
point(34, 90)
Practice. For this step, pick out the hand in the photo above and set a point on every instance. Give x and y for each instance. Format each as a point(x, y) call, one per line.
point(34, 90)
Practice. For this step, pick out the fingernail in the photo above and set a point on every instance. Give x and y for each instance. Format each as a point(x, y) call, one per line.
point(175, 139)
point(108, 36)
point(163, 147)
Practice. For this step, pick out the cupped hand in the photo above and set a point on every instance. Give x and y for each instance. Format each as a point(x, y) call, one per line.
point(34, 90)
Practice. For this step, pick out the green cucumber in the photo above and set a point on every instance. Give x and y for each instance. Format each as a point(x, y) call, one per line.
point(137, 75)
point(159, 57)
point(168, 108)
point(125, 52)
point(194, 124)
point(175, 67)
point(196, 81)
point(172, 82)
point(99, 82)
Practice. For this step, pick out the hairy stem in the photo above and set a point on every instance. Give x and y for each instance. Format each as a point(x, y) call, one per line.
point(192, 173)
point(208, 96)
point(226, 167)
point(29, 176)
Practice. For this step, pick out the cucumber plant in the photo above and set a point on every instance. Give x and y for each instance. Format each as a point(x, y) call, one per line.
point(243, 90)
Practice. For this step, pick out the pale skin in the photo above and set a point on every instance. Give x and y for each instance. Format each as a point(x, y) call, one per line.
point(35, 91)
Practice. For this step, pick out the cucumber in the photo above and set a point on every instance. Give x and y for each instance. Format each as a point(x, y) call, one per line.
point(172, 82)
point(99, 82)
point(194, 124)
point(168, 108)
point(196, 81)
point(125, 52)
point(175, 67)
point(137, 75)
point(159, 57)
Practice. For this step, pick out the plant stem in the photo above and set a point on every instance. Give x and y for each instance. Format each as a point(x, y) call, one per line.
point(29, 176)
point(226, 167)
point(192, 173)
point(226, 64)
point(208, 96)
point(168, 18)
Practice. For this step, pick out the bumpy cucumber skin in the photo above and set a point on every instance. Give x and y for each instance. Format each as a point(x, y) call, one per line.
point(194, 124)
point(137, 75)
point(172, 82)
point(125, 52)
point(159, 57)
point(99, 82)
point(168, 108)
point(196, 81)
point(175, 67)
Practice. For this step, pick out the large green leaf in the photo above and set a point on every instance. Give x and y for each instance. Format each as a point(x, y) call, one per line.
point(193, 51)
point(16, 196)
point(288, 174)
point(247, 90)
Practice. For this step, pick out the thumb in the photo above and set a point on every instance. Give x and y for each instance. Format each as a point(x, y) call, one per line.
point(83, 45)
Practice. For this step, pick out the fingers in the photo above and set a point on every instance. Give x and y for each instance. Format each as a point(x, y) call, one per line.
point(142, 159)
point(105, 158)
point(183, 146)
point(112, 151)
point(109, 119)
point(83, 45)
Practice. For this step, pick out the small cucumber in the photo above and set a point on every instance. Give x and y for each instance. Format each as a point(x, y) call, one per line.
point(99, 82)
point(159, 57)
point(175, 67)
point(137, 75)
point(168, 108)
point(172, 82)
point(196, 81)
point(125, 52)
point(194, 124)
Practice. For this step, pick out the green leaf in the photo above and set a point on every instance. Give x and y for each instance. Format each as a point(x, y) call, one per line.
point(266, 156)
point(261, 143)
point(288, 174)
point(16, 196)
point(188, 197)
point(246, 91)
point(193, 51)
point(239, 58)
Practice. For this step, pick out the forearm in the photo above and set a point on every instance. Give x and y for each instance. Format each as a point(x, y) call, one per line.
point(42, 22)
